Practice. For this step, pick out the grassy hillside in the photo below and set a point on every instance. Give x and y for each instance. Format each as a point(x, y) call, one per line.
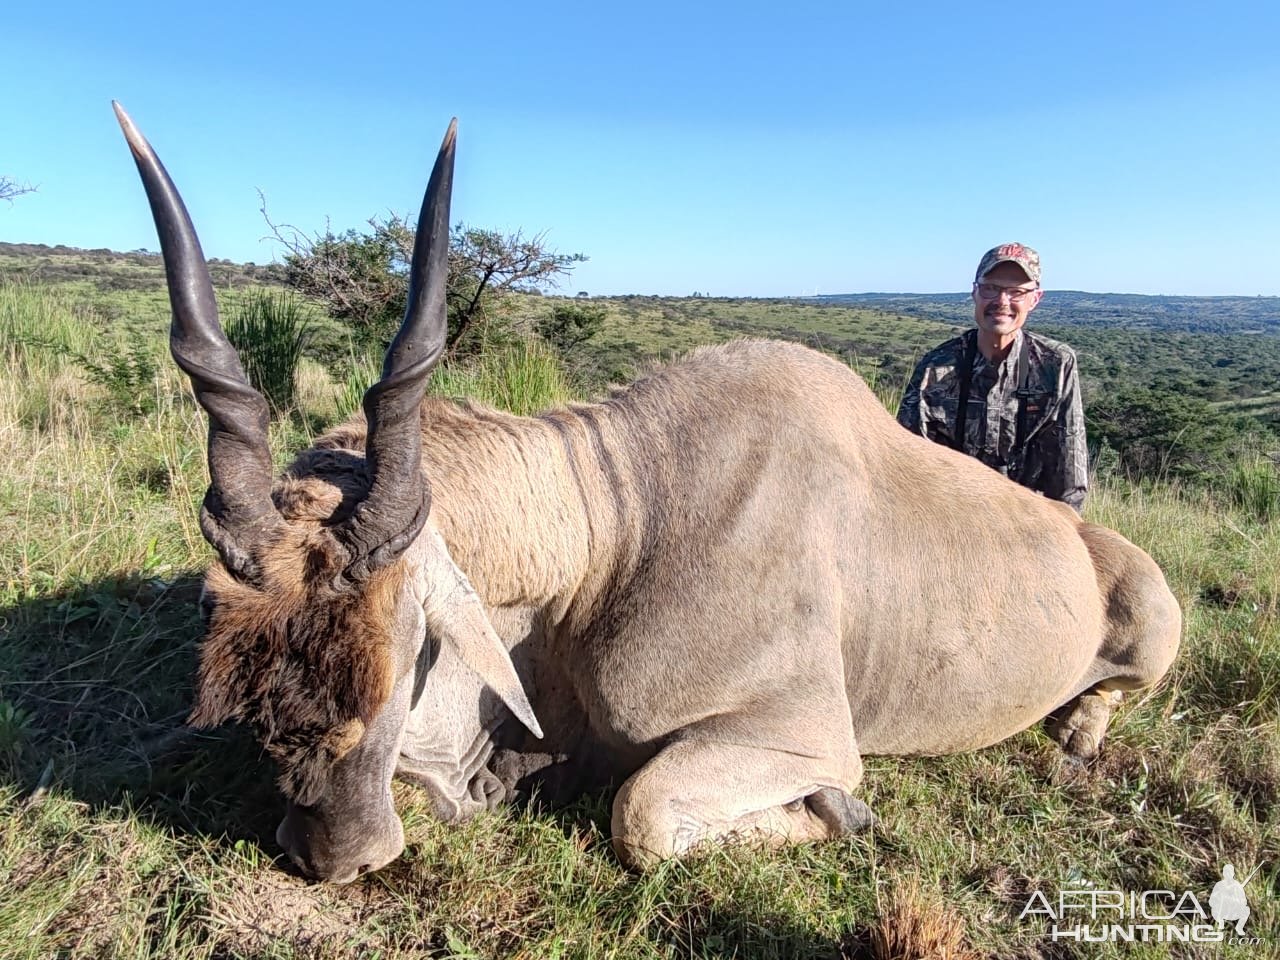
point(122, 833)
point(1225, 350)
point(1229, 369)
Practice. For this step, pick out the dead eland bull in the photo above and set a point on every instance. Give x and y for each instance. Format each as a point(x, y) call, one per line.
point(719, 587)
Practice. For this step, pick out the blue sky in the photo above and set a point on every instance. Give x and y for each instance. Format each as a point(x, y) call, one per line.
point(738, 149)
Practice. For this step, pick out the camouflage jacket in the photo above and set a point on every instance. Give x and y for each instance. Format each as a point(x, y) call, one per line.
point(1050, 457)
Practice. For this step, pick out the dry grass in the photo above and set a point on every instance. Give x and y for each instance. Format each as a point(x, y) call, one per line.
point(913, 926)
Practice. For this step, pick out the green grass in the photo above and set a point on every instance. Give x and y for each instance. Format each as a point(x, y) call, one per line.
point(123, 834)
point(525, 378)
point(1253, 484)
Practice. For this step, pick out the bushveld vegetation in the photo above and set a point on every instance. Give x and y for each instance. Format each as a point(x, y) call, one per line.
point(360, 277)
point(123, 833)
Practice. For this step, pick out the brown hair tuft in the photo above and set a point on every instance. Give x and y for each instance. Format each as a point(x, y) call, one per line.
point(306, 664)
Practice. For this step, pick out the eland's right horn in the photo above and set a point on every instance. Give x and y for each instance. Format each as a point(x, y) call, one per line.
point(238, 513)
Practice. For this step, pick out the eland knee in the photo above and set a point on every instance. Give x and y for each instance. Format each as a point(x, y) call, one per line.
point(694, 791)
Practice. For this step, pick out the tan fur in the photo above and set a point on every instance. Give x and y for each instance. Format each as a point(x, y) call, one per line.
point(502, 495)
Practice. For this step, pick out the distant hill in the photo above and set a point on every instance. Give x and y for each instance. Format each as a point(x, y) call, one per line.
point(1129, 311)
point(143, 269)
point(113, 270)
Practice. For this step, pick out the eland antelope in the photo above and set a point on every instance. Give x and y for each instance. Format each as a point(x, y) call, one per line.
point(718, 588)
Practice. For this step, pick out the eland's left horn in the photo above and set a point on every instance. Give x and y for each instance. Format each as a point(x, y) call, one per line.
point(384, 524)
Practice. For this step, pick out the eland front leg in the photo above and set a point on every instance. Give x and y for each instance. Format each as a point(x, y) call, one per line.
point(697, 790)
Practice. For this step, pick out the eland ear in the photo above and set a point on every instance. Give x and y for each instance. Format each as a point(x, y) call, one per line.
point(455, 614)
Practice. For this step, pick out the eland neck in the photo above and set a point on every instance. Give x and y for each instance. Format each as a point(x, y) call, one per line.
point(532, 508)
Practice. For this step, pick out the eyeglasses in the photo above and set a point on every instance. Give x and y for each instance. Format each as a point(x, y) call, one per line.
point(992, 291)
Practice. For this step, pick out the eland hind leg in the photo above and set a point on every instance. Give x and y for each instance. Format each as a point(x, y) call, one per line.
point(1080, 725)
point(1143, 628)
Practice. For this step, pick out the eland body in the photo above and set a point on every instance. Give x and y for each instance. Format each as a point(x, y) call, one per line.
point(719, 588)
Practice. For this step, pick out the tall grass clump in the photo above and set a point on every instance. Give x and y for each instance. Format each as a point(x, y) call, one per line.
point(521, 377)
point(38, 327)
point(887, 388)
point(363, 371)
point(270, 331)
point(524, 378)
point(1253, 484)
point(31, 315)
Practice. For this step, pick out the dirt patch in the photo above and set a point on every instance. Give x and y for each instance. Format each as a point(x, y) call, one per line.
point(260, 911)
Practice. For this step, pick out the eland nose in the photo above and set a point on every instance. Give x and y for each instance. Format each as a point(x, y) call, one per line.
point(315, 853)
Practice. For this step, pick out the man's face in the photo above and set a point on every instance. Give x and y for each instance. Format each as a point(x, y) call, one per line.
point(1003, 299)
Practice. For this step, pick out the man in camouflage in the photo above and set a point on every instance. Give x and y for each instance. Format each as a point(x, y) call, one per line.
point(1007, 397)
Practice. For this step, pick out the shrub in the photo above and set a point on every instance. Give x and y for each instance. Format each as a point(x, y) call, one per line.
point(570, 325)
point(127, 375)
point(1159, 434)
point(362, 278)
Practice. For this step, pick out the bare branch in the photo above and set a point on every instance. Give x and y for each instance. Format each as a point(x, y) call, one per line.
point(10, 188)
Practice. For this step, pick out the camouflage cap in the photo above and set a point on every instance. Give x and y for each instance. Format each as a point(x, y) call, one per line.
point(1017, 253)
